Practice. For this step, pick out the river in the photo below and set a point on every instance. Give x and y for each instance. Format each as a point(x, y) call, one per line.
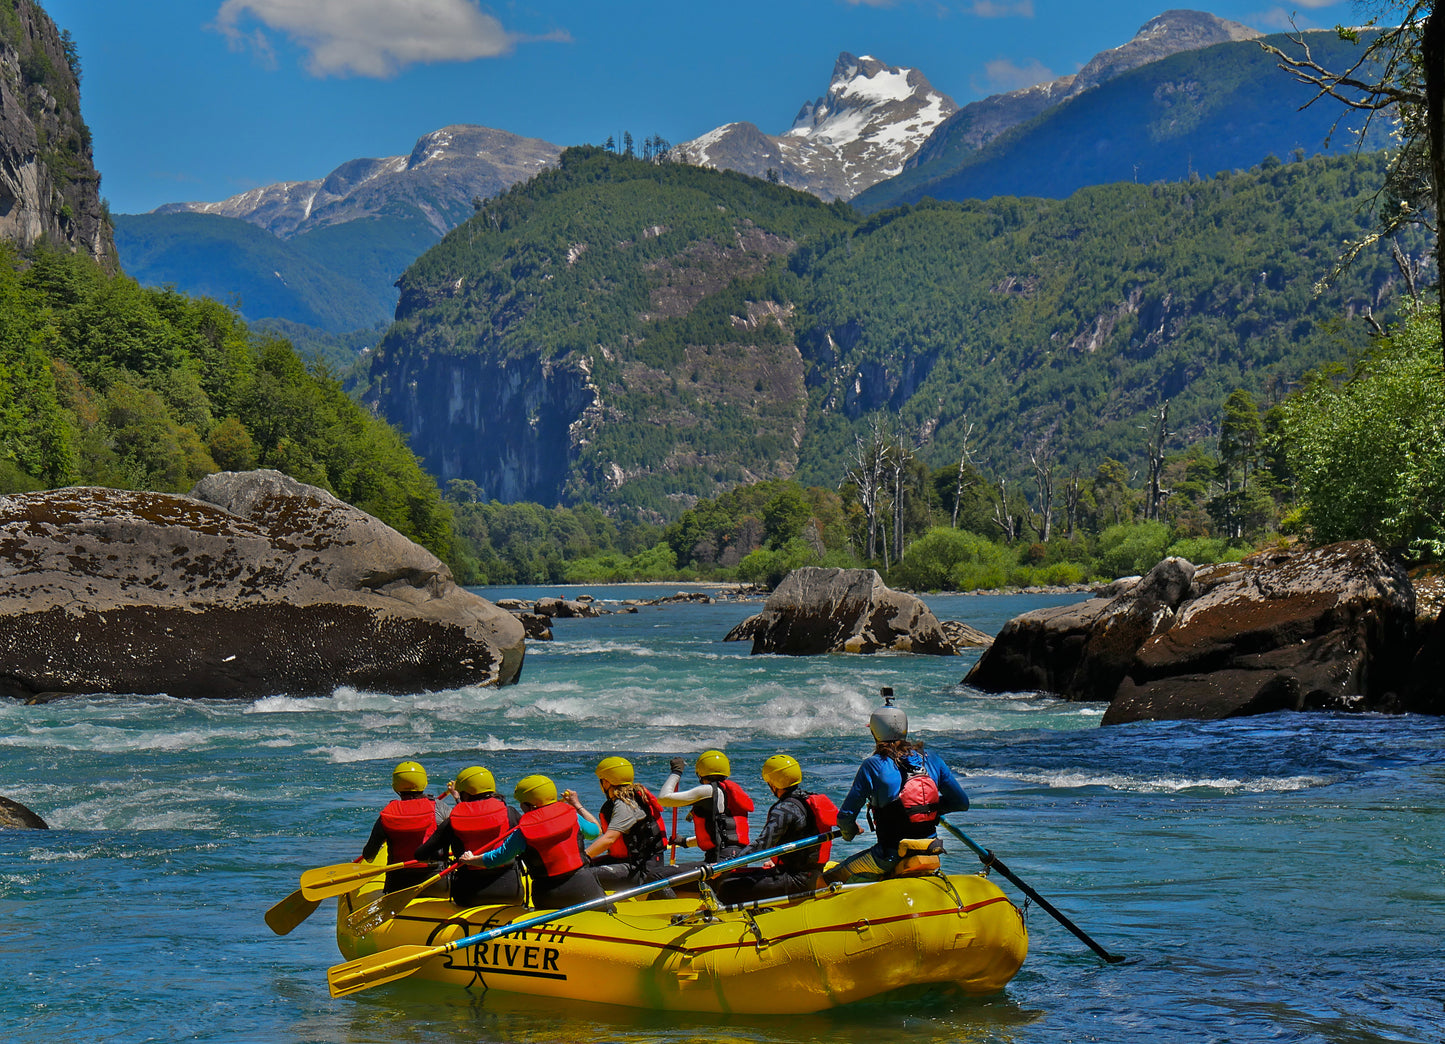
point(1279, 878)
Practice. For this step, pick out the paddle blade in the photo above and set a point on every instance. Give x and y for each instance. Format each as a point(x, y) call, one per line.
point(387, 966)
point(377, 912)
point(323, 882)
point(290, 912)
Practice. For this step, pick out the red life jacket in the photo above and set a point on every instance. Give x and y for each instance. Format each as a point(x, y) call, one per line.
point(722, 824)
point(407, 822)
point(551, 835)
point(646, 839)
point(479, 824)
point(822, 815)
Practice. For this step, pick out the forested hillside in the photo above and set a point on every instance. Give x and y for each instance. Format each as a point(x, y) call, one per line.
point(638, 334)
point(104, 382)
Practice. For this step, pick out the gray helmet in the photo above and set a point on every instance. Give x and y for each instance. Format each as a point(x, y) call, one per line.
point(888, 722)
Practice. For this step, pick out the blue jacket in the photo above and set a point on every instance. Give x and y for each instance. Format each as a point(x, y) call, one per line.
point(878, 782)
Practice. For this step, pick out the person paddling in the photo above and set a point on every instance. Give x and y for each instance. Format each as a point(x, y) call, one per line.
point(905, 790)
point(795, 815)
point(719, 810)
point(548, 840)
point(403, 825)
point(478, 820)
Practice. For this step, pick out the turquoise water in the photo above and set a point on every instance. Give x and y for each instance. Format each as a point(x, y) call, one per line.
point(1273, 879)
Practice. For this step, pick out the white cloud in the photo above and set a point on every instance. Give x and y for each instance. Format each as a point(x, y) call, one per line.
point(368, 37)
point(1001, 75)
point(1002, 8)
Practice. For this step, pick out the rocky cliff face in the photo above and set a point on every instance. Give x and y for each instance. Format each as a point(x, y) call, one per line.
point(49, 188)
point(443, 173)
point(872, 118)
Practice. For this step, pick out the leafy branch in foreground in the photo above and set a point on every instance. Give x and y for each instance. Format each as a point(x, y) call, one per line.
point(1399, 74)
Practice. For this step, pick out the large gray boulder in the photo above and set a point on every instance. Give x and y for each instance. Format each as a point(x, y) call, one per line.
point(252, 585)
point(817, 610)
point(1327, 628)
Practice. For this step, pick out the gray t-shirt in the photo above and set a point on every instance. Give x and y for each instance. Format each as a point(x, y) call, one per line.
point(625, 815)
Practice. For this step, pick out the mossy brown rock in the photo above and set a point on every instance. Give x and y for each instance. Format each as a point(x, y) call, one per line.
point(15, 816)
point(1324, 629)
point(254, 584)
point(816, 610)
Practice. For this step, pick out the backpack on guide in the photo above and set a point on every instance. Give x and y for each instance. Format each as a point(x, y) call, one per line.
point(918, 795)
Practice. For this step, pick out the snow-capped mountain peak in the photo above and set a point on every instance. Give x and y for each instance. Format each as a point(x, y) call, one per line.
point(872, 118)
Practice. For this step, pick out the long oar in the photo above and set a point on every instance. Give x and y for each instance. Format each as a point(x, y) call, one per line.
point(379, 911)
point(290, 912)
point(325, 881)
point(399, 962)
point(993, 862)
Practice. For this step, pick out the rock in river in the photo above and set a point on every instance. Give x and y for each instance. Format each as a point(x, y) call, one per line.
point(252, 585)
point(15, 816)
point(1324, 629)
point(817, 610)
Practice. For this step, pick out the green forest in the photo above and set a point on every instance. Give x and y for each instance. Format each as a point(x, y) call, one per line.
point(737, 330)
point(104, 382)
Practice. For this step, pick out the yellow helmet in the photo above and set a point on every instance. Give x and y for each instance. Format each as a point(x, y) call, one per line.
point(475, 780)
point(614, 770)
point(536, 791)
point(713, 763)
point(408, 777)
point(782, 771)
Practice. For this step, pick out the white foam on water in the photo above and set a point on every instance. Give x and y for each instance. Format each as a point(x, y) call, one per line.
point(378, 750)
point(1171, 784)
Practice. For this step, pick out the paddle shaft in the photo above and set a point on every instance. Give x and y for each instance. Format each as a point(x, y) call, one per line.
point(992, 861)
point(365, 972)
point(327, 881)
point(672, 846)
point(389, 905)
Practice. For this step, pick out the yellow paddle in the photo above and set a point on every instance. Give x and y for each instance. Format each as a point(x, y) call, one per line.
point(401, 961)
point(325, 881)
point(379, 911)
point(290, 912)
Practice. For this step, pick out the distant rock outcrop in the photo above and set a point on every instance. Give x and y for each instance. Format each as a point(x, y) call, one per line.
point(817, 610)
point(873, 117)
point(252, 585)
point(49, 187)
point(15, 816)
point(1324, 629)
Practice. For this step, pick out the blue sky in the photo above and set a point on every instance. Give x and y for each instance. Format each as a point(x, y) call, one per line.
point(202, 99)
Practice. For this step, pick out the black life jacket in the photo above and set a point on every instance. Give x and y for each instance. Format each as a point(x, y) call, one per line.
point(646, 839)
point(914, 812)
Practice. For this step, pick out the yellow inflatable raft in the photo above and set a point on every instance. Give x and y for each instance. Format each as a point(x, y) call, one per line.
point(805, 955)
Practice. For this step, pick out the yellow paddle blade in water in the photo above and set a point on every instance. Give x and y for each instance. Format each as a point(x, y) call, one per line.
point(290, 912)
point(387, 966)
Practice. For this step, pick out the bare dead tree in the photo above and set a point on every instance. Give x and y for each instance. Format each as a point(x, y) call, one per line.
point(1002, 516)
point(1155, 494)
point(1043, 462)
point(1073, 494)
point(867, 476)
point(966, 465)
